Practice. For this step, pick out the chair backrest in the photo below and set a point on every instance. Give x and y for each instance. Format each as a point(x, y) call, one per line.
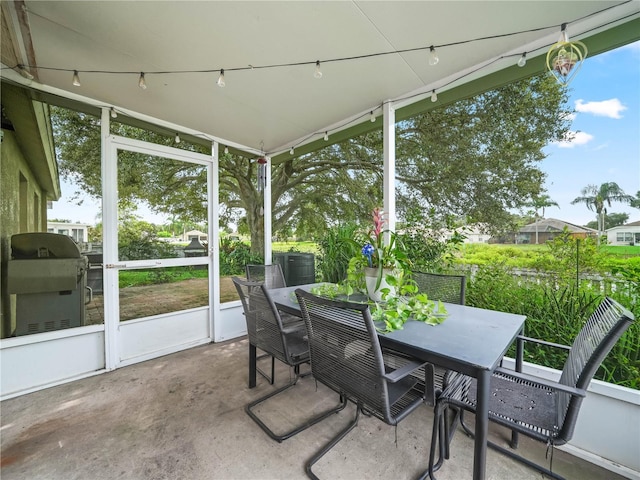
point(270, 275)
point(264, 325)
point(447, 288)
point(345, 352)
point(594, 342)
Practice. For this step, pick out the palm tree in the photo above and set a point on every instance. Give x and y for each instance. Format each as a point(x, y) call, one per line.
point(541, 202)
point(595, 198)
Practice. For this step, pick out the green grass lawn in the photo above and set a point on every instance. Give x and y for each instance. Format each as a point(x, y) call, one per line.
point(131, 278)
point(303, 247)
point(625, 250)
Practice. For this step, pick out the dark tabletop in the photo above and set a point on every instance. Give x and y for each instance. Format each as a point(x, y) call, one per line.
point(469, 340)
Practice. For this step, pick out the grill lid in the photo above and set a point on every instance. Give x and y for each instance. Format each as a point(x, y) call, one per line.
point(43, 245)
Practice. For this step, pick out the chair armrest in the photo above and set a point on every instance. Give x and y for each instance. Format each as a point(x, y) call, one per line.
point(578, 392)
point(521, 338)
point(400, 373)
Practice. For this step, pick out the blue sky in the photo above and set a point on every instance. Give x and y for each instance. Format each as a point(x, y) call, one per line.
point(606, 96)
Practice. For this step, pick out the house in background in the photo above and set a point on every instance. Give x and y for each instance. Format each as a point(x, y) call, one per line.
point(547, 229)
point(78, 231)
point(195, 234)
point(628, 234)
point(472, 234)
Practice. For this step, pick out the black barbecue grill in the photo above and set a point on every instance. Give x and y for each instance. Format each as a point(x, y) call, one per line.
point(48, 274)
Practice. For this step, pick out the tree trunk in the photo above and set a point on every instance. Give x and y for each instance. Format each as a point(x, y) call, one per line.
point(255, 221)
point(600, 225)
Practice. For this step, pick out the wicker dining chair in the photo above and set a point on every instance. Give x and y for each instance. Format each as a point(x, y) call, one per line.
point(446, 288)
point(287, 344)
point(541, 409)
point(272, 277)
point(346, 357)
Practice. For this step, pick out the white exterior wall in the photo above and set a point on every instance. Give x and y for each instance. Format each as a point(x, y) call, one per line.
point(612, 234)
point(82, 230)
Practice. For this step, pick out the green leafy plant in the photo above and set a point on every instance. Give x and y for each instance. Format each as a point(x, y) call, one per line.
point(396, 309)
point(336, 248)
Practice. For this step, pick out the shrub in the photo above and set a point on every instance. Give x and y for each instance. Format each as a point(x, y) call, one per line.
point(555, 311)
point(336, 248)
point(234, 255)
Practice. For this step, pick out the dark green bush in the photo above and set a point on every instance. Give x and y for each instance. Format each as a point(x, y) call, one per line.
point(234, 255)
point(336, 248)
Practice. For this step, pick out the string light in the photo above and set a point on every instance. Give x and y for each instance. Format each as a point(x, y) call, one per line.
point(226, 150)
point(523, 60)
point(141, 81)
point(114, 114)
point(373, 117)
point(292, 151)
point(433, 56)
point(434, 96)
point(177, 139)
point(326, 136)
point(221, 83)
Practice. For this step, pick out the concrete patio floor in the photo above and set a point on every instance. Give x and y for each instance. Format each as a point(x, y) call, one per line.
point(182, 417)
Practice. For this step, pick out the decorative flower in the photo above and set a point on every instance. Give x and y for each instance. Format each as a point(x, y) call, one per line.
point(368, 252)
point(377, 253)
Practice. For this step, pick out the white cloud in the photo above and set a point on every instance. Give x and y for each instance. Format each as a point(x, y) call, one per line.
point(579, 138)
point(606, 108)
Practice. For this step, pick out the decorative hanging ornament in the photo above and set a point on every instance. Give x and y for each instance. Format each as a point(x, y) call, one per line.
point(262, 173)
point(565, 58)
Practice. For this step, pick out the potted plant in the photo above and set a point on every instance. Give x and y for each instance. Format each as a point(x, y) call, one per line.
point(379, 260)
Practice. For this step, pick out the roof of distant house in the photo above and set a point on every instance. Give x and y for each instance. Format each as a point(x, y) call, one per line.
point(554, 225)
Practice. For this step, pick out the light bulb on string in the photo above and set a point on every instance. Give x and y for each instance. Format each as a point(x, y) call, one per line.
point(523, 60)
point(434, 96)
point(226, 149)
point(326, 136)
point(177, 139)
point(372, 117)
point(141, 81)
point(318, 72)
point(291, 151)
point(76, 78)
point(114, 114)
point(433, 56)
point(221, 83)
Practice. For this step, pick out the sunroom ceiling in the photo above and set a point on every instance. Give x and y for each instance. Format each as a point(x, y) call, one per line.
point(272, 109)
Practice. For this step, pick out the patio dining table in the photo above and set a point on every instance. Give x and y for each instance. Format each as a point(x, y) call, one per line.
point(471, 340)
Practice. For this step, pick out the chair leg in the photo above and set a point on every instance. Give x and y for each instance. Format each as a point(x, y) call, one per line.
point(271, 378)
point(511, 454)
point(439, 436)
point(332, 443)
point(312, 421)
